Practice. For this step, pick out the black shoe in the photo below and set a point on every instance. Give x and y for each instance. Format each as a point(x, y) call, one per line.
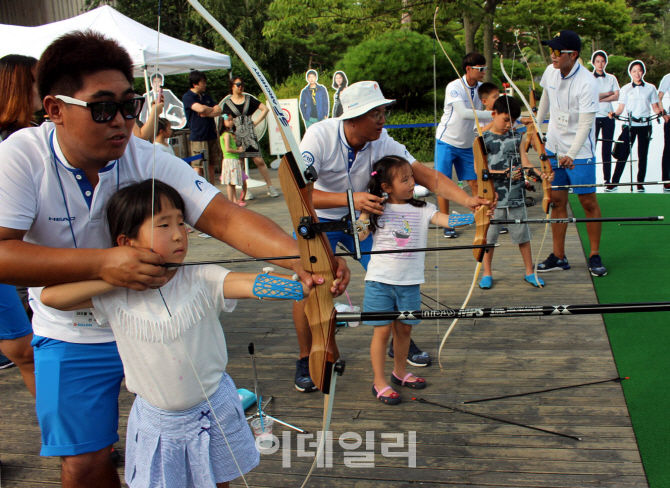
point(450, 233)
point(115, 456)
point(641, 189)
point(415, 356)
point(552, 263)
point(303, 381)
point(5, 362)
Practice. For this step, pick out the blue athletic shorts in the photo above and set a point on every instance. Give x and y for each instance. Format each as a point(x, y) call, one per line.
point(584, 173)
point(77, 395)
point(447, 156)
point(347, 241)
point(14, 321)
point(382, 297)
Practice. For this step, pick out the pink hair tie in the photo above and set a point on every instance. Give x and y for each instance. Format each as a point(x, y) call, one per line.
point(373, 173)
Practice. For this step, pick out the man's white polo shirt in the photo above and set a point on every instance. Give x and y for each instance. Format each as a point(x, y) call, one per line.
point(41, 193)
point(568, 97)
point(453, 129)
point(325, 147)
point(637, 100)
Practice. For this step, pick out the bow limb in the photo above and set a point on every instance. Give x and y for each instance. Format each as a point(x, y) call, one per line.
point(535, 137)
point(485, 190)
point(316, 254)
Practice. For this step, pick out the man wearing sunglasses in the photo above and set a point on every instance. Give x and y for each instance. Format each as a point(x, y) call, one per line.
point(456, 133)
point(55, 181)
point(571, 96)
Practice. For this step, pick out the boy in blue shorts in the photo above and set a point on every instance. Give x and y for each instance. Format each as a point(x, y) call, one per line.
point(455, 133)
point(506, 164)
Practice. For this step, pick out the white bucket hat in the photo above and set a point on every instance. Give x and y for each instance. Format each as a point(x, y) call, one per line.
point(360, 98)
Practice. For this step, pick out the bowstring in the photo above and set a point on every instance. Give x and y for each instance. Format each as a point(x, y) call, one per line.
point(479, 131)
point(160, 292)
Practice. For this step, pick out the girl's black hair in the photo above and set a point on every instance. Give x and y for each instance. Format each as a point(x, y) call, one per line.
point(130, 207)
point(383, 171)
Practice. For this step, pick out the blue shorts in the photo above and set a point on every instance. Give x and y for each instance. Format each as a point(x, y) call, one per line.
point(77, 395)
point(382, 297)
point(14, 321)
point(348, 242)
point(463, 159)
point(584, 173)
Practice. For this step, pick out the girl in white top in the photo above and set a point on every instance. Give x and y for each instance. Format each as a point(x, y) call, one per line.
point(638, 98)
point(187, 426)
point(163, 135)
point(393, 281)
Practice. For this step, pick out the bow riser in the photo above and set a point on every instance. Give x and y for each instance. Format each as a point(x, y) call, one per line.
point(485, 190)
point(317, 260)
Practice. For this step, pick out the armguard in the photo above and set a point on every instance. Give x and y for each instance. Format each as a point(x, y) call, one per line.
point(267, 286)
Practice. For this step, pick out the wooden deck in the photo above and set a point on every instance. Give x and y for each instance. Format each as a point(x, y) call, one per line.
point(482, 358)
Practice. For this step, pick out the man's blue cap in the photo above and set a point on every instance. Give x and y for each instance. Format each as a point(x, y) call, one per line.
point(566, 40)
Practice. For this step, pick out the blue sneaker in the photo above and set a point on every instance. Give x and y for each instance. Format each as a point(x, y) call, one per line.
point(552, 263)
point(486, 283)
point(531, 279)
point(303, 381)
point(596, 266)
point(450, 233)
point(415, 356)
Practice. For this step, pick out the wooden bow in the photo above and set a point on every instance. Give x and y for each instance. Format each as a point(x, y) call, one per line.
point(315, 253)
point(485, 190)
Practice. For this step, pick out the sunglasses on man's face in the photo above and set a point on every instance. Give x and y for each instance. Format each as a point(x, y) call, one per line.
point(557, 53)
point(102, 112)
point(239, 85)
point(479, 68)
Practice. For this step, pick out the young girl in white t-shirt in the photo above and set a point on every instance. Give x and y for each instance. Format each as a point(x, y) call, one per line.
point(393, 281)
point(173, 347)
point(163, 134)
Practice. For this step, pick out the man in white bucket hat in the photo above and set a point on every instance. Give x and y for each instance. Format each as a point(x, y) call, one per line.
point(343, 150)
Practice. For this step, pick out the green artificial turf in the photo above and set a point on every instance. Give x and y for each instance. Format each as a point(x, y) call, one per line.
point(638, 270)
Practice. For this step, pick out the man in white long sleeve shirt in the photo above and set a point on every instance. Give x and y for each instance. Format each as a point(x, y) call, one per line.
point(455, 134)
point(571, 95)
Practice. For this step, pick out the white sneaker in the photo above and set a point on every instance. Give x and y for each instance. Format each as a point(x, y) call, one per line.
point(272, 192)
point(249, 195)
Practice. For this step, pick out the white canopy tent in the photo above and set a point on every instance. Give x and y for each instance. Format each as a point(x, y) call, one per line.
point(172, 55)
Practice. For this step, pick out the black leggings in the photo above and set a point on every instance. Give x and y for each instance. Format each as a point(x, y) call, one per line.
point(666, 152)
point(607, 126)
point(643, 134)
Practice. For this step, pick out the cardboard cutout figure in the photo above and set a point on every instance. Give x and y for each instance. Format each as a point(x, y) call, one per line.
point(314, 100)
point(340, 82)
point(173, 109)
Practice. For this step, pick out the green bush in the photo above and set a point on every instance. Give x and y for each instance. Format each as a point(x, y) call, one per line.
point(401, 61)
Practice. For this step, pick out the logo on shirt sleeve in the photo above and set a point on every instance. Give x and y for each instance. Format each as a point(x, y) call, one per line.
point(453, 93)
point(308, 157)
